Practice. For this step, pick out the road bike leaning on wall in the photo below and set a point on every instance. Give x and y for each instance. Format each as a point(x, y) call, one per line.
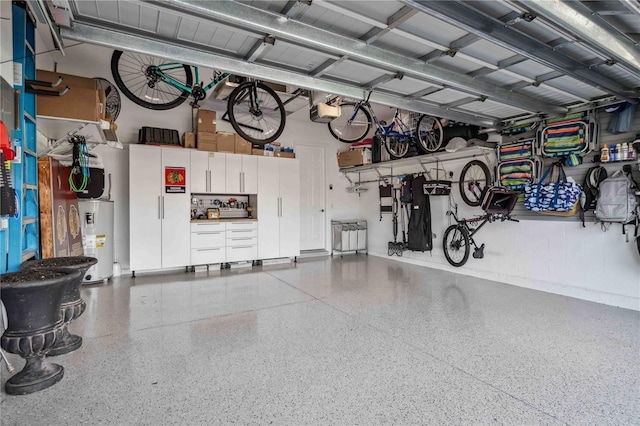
point(255, 110)
point(356, 119)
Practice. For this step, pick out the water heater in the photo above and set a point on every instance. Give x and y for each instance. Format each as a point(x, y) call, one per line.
point(96, 217)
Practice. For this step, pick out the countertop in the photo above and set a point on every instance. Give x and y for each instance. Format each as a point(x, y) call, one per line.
point(239, 219)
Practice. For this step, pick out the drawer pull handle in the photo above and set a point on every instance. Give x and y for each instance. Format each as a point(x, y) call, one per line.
point(241, 247)
point(208, 233)
point(208, 249)
point(241, 239)
point(239, 230)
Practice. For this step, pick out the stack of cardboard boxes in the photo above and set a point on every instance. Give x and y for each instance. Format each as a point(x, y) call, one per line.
point(207, 139)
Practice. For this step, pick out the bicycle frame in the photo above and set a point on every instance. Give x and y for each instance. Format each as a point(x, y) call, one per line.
point(465, 223)
point(169, 66)
point(380, 129)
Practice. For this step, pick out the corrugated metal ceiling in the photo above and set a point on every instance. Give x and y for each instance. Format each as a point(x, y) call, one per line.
point(484, 77)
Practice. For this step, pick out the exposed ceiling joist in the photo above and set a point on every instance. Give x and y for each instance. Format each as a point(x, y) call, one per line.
point(164, 48)
point(260, 20)
point(579, 19)
point(472, 20)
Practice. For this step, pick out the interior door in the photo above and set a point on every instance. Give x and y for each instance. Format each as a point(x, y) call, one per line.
point(312, 196)
point(176, 226)
point(145, 178)
point(289, 207)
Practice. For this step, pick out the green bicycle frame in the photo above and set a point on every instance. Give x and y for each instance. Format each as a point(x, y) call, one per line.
point(170, 66)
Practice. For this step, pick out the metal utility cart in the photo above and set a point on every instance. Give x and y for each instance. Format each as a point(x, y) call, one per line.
point(349, 236)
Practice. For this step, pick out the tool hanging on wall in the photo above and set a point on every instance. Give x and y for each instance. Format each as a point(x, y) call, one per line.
point(79, 176)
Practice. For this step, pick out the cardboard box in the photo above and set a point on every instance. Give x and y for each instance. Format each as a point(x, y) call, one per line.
point(267, 153)
point(189, 140)
point(207, 141)
point(226, 142)
point(81, 102)
point(356, 157)
point(206, 121)
point(242, 146)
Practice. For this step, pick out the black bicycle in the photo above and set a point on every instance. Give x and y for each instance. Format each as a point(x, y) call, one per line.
point(255, 110)
point(497, 203)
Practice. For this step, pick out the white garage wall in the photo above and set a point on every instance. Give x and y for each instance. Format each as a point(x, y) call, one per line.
point(94, 61)
point(559, 257)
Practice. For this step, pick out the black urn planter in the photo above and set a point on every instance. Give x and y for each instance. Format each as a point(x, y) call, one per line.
point(72, 304)
point(32, 300)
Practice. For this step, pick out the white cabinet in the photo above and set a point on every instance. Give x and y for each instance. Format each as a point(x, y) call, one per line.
point(241, 174)
point(207, 172)
point(278, 207)
point(242, 241)
point(208, 243)
point(159, 191)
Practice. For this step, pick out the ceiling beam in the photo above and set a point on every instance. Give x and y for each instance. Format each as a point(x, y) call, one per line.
point(141, 43)
point(472, 20)
point(591, 29)
point(298, 32)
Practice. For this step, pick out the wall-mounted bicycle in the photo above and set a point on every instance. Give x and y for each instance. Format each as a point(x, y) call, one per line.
point(497, 203)
point(255, 110)
point(356, 118)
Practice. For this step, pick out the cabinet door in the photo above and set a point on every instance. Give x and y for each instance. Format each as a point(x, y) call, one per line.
point(176, 223)
point(250, 174)
point(199, 171)
point(268, 208)
point(233, 174)
point(217, 172)
point(289, 207)
point(145, 180)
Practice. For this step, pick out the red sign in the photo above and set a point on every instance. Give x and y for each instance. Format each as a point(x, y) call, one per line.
point(175, 180)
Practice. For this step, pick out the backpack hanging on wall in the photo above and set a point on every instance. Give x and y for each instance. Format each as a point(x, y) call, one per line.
point(590, 189)
point(405, 189)
point(616, 201)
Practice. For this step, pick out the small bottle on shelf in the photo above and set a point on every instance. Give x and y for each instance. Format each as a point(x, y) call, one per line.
point(619, 152)
point(604, 154)
point(625, 152)
point(612, 152)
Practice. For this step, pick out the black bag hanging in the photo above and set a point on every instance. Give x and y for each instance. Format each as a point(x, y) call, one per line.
point(376, 147)
point(420, 237)
point(417, 189)
point(405, 190)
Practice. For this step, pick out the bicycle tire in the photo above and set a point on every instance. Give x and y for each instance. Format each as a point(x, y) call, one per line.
point(429, 134)
point(348, 132)
point(395, 146)
point(112, 97)
point(459, 235)
point(475, 178)
point(262, 126)
point(139, 88)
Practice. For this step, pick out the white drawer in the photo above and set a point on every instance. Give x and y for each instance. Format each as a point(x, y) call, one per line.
point(205, 256)
point(241, 241)
point(206, 239)
point(204, 226)
point(243, 252)
point(238, 233)
point(237, 226)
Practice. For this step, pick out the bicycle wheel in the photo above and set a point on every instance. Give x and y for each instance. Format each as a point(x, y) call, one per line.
point(352, 125)
point(456, 245)
point(429, 134)
point(112, 96)
point(396, 146)
point(139, 78)
point(474, 180)
point(256, 112)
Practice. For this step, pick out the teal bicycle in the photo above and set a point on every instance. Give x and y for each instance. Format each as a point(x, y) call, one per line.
point(255, 110)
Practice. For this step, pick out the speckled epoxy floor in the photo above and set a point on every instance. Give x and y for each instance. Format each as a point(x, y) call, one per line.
point(352, 341)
